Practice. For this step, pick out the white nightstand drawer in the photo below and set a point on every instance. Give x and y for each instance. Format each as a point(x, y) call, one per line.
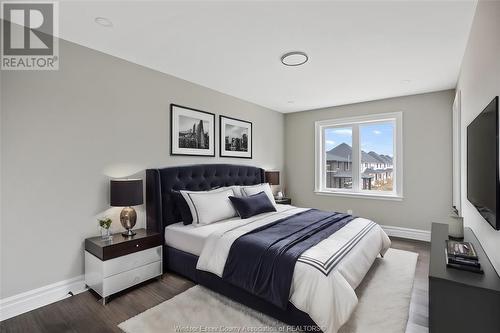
point(131, 261)
point(127, 279)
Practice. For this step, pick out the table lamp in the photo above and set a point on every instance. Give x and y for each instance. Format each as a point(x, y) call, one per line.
point(126, 193)
point(273, 178)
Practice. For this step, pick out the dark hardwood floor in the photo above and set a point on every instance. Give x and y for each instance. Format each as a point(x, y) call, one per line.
point(418, 322)
point(85, 313)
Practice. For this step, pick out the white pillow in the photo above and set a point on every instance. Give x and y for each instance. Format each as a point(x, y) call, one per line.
point(210, 206)
point(254, 189)
point(236, 190)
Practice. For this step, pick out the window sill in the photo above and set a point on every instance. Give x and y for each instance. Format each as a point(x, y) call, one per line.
point(390, 197)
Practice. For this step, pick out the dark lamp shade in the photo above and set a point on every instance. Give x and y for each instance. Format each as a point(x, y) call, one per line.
point(273, 177)
point(125, 192)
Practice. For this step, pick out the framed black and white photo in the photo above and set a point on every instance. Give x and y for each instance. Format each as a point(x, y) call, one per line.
point(235, 137)
point(192, 132)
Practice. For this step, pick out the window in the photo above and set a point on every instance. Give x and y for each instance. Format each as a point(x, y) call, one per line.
point(338, 174)
point(360, 156)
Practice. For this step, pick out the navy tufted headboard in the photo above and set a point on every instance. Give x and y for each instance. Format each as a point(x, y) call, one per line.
point(160, 210)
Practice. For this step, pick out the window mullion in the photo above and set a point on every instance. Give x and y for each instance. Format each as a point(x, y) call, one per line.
point(323, 159)
point(356, 157)
point(395, 146)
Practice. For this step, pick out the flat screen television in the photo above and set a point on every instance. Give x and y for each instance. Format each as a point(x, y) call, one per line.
point(483, 184)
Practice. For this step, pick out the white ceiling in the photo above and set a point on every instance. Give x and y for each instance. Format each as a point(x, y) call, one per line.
point(358, 50)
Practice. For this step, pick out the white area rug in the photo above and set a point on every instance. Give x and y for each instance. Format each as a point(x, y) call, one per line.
point(384, 301)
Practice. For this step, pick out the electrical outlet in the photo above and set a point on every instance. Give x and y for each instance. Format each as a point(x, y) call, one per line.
point(349, 211)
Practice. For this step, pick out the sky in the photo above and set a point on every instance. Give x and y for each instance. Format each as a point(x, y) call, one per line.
point(233, 131)
point(186, 123)
point(373, 137)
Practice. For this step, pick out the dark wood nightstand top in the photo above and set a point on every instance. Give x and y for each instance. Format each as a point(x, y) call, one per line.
point(118, 245)
point(283, 201)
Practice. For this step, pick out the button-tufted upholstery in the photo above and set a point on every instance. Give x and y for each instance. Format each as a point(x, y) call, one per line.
point(160, 182)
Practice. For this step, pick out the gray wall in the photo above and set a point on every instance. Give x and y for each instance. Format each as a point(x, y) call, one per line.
point(427, 160)
point(479, 82)
point(64, 133)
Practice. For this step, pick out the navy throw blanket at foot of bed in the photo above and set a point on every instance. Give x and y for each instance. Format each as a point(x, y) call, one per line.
point(262, 261)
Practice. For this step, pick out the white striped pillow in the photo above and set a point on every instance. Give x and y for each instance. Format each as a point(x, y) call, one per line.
point(210, 206)
point(254, 189)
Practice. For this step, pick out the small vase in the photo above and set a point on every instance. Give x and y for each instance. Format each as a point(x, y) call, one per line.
point(105, 234)
point(456, 228)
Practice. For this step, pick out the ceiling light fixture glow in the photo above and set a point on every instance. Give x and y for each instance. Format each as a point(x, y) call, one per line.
point(105, 22)
point(295, 58)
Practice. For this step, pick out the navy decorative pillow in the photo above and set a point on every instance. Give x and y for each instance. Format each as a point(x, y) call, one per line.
point(182, 207)
point(252, 205)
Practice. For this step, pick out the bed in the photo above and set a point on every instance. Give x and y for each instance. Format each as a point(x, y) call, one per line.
point(324, 276)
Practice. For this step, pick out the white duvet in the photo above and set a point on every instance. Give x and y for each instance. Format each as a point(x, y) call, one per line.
point(325, 275)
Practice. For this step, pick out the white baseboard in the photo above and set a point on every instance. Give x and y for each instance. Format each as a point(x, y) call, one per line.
point(33, 299)
point(416, 234)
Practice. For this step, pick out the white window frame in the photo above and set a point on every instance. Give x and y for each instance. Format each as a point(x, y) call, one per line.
point(354, 122)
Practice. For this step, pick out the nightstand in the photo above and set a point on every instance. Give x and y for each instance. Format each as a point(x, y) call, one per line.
point(283, 201)
point(122, 262)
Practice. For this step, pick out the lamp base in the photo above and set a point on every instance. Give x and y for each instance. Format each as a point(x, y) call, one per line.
point(128, 233)
point(128, 217)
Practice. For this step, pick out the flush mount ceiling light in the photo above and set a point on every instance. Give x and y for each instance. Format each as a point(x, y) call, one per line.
point(405, 81)
point(295, 58)
point(104, 22)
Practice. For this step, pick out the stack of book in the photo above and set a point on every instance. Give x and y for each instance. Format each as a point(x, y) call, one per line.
point(462, 255)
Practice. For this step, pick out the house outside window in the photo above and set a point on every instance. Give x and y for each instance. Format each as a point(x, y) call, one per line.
point(360, 156)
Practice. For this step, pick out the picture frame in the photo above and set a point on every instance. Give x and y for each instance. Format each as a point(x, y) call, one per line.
point(192, 131)
point(236, 137)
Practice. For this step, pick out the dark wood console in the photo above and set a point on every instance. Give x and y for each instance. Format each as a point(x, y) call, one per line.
point(461, 301)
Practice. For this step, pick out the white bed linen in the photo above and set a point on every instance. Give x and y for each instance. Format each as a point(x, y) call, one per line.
point(328, 299)
point(191, 239)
